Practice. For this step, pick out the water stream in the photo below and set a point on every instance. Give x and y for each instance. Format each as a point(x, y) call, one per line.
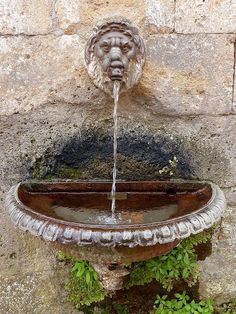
point(116, 91)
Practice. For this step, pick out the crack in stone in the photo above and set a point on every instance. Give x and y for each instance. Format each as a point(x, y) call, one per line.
point(182, 116)
point(25, 35)
point(234, 78)
point(59, 32)
point(174, 20)
point(55, 28)
point(199, 33)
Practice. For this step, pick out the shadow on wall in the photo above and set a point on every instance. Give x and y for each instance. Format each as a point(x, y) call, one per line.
point(140, 156)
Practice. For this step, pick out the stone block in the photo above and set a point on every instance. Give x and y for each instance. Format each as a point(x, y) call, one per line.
point(25, 17)
point(31, 293)
point(93, 12)
point(150, 16)
point(212, 146)
point(218, 271)
point(39, 69)
point(205, 16)
point(187, 75)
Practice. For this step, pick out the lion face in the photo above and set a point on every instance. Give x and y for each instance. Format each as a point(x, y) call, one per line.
point(115, 52)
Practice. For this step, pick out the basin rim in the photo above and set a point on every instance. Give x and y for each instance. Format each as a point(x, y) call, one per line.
point(52, 229)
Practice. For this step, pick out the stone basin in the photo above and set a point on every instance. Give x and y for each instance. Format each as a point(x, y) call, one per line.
point(151, 217)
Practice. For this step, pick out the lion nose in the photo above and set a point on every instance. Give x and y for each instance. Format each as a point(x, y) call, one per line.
point(115, 54)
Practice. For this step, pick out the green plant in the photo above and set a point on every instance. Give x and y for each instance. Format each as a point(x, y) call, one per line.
point(180, 263)
point(182, 305)
point(84, 286)
point(84, 269)
point(171, 168)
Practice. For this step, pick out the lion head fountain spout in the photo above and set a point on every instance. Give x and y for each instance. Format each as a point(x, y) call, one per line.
point(115, 52)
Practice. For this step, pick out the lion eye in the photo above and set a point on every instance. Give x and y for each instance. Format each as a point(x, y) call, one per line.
point(106, 47)
point(125, 48)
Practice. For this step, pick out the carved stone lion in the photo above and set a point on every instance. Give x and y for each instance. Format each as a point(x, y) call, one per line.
point(115, 51)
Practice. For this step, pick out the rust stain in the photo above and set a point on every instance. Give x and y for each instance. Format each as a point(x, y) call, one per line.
point(72, 29)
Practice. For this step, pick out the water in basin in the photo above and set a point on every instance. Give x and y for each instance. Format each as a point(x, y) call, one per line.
point(136, 202)
point(83, 215)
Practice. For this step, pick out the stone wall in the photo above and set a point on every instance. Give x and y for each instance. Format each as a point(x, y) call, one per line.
point(185, 103)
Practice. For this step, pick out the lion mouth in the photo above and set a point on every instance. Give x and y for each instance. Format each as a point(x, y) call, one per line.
point(116, 72)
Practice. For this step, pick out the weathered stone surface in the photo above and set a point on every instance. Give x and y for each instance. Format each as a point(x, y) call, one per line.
point(160, 16)
point(19, 254)
point(81, 136)
point(230, 194)
point(35, 70)
point(92, 12)
point(25, 17)
point(212, 147)
point(31, 280)
point(187, 75)
point(80, 17)
point(218, 271)
point(44, 69)
point(205, 16)
point(204, 146)
point(33, 293)
point(67, 15)
point(150, 16)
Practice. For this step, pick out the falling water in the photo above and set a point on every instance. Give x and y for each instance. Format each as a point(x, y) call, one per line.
point(116, 90)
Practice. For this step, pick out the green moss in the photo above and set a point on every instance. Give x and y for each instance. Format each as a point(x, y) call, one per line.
point(83, 285)
point(226, 308)
point(66, 172)
point(180, 263)
point(38, 172)
point(81, 293)
point(41, 167)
